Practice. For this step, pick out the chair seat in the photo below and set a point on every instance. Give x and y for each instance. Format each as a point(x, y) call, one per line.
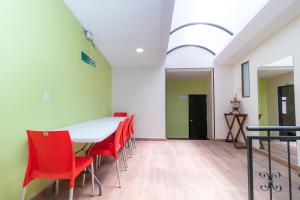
point(105, 148)
point(81, 163)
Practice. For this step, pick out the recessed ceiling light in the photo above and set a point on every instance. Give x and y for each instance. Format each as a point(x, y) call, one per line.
point(139, 50)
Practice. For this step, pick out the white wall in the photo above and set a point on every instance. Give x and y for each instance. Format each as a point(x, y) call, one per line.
point(141, 91)
point(284, 43)
point(281, 45)
point(223, 87)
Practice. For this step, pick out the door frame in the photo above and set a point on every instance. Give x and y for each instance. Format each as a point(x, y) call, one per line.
point(212, 94)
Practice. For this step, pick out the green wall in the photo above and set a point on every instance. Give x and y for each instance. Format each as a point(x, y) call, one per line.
point(272, 92)
point(268, 98)
point(263, 103)
point(40, 50)
point(178, 110)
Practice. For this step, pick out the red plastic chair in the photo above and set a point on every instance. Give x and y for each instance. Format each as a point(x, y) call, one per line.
point(120, 114)
point(51, 156)
point(125, 136)
point(131, 129)
point(123, 140)
point(109, 148)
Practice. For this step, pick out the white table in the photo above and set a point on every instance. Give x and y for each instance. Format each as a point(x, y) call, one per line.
point(92, 132)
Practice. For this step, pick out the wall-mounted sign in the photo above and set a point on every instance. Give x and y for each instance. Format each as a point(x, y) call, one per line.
point(183, 97)
point(87, 59)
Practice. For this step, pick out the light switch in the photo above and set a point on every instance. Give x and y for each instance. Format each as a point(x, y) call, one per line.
point(46, 96)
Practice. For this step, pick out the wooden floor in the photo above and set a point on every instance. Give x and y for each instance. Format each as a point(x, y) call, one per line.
point(279, 149)
point(182, 170)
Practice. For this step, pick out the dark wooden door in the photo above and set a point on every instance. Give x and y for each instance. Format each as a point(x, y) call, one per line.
point(286, 108)
point(197, 117)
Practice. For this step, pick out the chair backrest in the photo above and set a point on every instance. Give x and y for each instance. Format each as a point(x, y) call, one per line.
point(125, 132)
point(120, 114)
point(117, 140)
point(131, 129)
point(50, 154)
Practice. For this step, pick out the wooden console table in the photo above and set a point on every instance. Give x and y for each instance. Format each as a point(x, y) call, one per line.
point(230, 120)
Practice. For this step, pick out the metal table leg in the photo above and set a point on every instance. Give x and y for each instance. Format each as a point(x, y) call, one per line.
point(97, 181)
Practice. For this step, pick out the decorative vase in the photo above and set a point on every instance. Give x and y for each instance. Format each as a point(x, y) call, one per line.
point(235, 105)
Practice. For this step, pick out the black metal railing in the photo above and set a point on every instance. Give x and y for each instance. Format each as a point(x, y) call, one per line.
point(270, 174)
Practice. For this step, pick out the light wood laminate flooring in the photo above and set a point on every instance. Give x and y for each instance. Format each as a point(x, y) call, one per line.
point(182, 170)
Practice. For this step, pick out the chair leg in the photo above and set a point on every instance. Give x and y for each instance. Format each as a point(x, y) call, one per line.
point(83, 178)
point(99, 161)
point(71, 193)
point(124, 159)
point(96, 163)
point(93, 179)
point(134, 140)
point(118, 170)
point(56, 186)
point(23, 193)
point(130, 147)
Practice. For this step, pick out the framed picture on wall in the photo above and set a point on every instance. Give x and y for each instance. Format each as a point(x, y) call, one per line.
point(245, 79)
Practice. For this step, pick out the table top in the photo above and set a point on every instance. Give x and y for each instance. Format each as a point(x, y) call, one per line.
point(93, 131)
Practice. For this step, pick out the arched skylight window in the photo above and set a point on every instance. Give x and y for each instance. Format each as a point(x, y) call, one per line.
point(207, 36)
point(210, 24)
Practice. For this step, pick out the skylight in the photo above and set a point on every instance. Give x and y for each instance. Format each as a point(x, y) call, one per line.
point(210, 24)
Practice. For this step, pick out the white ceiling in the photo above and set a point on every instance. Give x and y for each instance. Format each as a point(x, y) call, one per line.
point(121, 26)
point(233, 15)
point(272, 72)
point(220, 12)
point(269, 20)
point(187, 74)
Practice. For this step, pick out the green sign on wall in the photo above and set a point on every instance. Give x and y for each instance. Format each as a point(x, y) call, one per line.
point(87, 59)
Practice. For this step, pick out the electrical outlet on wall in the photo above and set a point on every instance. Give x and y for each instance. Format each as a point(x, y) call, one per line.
point(46, 96)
